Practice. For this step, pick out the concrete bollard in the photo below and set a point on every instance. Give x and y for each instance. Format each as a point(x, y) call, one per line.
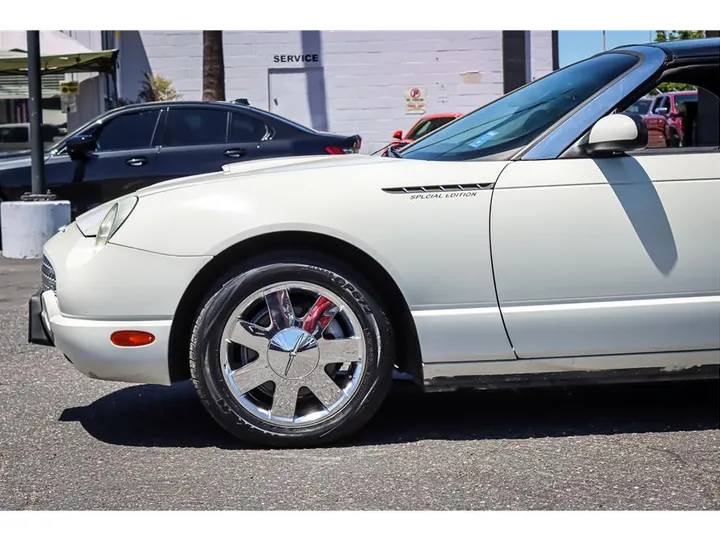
point(26, 226)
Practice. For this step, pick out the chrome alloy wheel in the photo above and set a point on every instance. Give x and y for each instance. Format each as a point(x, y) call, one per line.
point(292, 354)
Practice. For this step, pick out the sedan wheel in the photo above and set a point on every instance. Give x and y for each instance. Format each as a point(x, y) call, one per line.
point(292, 362)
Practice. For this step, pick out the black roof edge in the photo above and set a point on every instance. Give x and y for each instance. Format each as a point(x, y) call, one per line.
point(681, 49)
point(187, 102)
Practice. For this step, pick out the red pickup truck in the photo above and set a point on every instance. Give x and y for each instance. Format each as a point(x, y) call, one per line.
point(664, 118)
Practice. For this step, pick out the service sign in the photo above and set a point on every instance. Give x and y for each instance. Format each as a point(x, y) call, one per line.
point(415, 100)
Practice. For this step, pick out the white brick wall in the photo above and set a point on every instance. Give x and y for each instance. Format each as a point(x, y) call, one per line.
point(90, 101)
point(366, 73)
point(540, 53)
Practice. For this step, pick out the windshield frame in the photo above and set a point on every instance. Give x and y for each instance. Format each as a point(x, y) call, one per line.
point(568, 130)
point(635, 74)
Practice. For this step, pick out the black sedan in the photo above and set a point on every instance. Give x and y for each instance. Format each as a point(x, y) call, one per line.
point(138, 145)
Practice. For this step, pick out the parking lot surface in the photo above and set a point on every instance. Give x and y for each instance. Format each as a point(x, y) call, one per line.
point(69, 442)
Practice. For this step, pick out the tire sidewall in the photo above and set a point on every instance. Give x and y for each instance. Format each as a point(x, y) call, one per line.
point(207, 370)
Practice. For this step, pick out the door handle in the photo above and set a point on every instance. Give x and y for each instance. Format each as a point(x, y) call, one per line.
point(235, 152)
point(136, 162)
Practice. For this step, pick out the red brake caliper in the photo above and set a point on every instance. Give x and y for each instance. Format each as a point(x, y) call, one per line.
point(316, 317)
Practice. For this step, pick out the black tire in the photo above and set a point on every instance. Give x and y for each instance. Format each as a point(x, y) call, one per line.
point(238, 284)
point(673, 140)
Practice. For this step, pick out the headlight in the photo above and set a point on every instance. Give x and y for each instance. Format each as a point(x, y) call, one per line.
point(112, 221)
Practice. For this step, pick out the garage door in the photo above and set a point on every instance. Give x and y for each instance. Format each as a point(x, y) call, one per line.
point(289, 96)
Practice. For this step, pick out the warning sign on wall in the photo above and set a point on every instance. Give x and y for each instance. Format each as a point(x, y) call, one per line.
point(68, 96)
point(415, 100)
point(69, 87)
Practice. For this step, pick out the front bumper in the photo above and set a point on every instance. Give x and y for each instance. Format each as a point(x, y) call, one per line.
point(86, 343)
point(88, 294)
point(39, 331)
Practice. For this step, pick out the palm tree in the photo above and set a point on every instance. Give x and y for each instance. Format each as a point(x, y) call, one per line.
point(213, 66)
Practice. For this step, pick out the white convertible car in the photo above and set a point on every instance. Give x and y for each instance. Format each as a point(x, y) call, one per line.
point(534, 240)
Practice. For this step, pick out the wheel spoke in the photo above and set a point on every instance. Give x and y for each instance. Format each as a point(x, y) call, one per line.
point(285, 399)
point(319, 316)
point(339, 351)
point(280, 309)
point(251, 336)
point(324, 388)
point(252, 375)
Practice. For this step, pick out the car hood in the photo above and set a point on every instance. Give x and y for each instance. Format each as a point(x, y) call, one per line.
point(262, 166)
point(90, 220)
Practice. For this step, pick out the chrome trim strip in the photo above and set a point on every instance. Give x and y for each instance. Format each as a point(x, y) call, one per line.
point(558, 140)
point(48, 275)
point(439, 189)
point(611, 304)
point(454, 312)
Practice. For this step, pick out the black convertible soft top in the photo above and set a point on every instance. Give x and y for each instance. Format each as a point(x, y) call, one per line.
point(684, 49)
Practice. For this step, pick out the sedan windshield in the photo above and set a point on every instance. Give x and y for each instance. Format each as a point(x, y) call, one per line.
point(503, 127)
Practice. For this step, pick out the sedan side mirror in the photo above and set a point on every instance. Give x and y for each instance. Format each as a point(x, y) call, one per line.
point(397, 134)
point(617, 133)
point(79, 145)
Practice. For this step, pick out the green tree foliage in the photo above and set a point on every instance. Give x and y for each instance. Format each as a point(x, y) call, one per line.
point(153, 88)
point(157, 88)
point(675, 35)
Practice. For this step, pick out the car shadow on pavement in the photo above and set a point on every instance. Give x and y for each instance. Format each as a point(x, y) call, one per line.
point(158, 416)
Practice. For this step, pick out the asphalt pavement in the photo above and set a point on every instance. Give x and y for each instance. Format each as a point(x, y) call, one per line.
point(69, 442)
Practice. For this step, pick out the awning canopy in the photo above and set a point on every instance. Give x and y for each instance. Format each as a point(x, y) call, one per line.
point(16, 63)
point(52, 42)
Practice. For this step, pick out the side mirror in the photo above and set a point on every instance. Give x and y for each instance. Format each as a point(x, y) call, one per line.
point(661, 110)
point(79, 145)
point(397, 134)
point(617, 133)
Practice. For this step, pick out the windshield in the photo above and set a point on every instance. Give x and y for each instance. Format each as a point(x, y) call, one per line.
point(511, 122)
point(640, 107)
point(427, 126)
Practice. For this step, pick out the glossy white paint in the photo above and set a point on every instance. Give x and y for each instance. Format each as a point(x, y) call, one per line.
point(616, 127)
point(593, 261)
point(86, 342)
point(435, 246)
point(593, 257)
point(117, 282)
point(462, 335)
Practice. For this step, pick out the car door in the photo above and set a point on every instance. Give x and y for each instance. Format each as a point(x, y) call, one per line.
point(195, 141)
point(611, 256)
point(259, 139)
point(124, 160)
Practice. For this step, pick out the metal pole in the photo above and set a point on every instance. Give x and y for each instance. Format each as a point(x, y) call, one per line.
point(603, 40)
point(37, 152)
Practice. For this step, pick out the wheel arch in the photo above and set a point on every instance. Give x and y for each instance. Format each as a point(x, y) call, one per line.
point(407, 343)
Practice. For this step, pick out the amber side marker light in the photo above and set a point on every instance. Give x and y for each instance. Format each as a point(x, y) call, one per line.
point(131, 338)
